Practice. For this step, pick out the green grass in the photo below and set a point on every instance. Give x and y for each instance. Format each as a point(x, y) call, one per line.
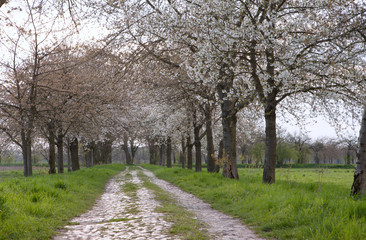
point(303, 204)
point(184, 224)
point(35, 207)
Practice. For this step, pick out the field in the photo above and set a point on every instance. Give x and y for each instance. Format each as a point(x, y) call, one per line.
point(36, 207)
point(304, 203)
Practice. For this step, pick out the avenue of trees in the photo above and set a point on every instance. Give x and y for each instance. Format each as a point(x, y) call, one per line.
point(178, 75)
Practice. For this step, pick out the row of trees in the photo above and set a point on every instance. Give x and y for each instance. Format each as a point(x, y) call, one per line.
point(178, 72)
point(223, 58)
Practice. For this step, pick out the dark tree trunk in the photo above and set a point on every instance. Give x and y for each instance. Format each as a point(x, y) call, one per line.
point(133, 149)
point(24, 153)
point(51, 148)
point(109, 151)
point(197, 145)
point(87, 157)
point(269, 170)
point(125, 149)
point(169, 153)
point(183, 153)
point(27, 152)
point(210, 142)
point(153, 151)
point(162, 154)
point(105, 149)
point(359, 182)
point(229, 137)
point(220, 155)
point(68, 156)
point(189, 153)
point(228, 118)
point(74, 151)
point(60, 151)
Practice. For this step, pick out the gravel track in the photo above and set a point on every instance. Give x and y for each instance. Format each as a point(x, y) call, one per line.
point(120, 215)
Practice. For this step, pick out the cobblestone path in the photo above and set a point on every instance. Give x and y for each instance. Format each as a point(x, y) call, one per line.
point(120, 214)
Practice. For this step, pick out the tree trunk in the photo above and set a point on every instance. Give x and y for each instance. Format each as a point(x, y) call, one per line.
point(197, 145)
point(229, 137)
point(60, 151)
point(269, 170)
point(105, 149)
point(169, 153)
point(109, 151)
point(183, 153)
point(220, 155)
point(210, 142)
point(27, 152)
point(68, 156)
point(152, 151)
point(87, 157)
point(162, 154)
point(189, 153)
point(74, 151)
point(125, 149)
point(24, 153)
point(51, 148)
point(359, 182)
point(133, 149)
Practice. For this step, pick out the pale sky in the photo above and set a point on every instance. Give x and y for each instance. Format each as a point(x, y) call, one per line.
point(318, 128)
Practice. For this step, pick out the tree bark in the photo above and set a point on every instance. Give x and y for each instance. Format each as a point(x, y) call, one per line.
point(197, 146)
point(183, 153)
point(189, 153)
point(87, 157)
point(220, 155)
point(359, 182)
point(210, 142)
point(269, 170)
point(60, 151)
point(27, 152)
point(169, 153)
point(153, 151)
point(133, 149)
point(162, 154)
point(51, 148)
point(229, 169)
point(68, 155)
point(2, 2)
point(125, 149)
point(74, 151)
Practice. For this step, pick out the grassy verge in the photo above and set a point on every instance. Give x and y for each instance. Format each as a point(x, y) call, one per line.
point(303, 204)
point(35, 207)
point(183, 221)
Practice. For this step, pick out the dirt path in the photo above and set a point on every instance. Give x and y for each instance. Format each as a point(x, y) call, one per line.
point(126, 210)
point(220, 226)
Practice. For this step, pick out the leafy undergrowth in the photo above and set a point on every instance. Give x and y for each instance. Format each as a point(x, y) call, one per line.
point(35, 207)
point(303, 204)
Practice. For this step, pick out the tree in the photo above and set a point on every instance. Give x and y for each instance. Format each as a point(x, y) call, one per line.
point(359, 182)
point(26, 69)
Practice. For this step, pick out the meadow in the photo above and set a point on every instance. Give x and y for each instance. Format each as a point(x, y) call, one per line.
point(36, 207)
point(304, 203)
